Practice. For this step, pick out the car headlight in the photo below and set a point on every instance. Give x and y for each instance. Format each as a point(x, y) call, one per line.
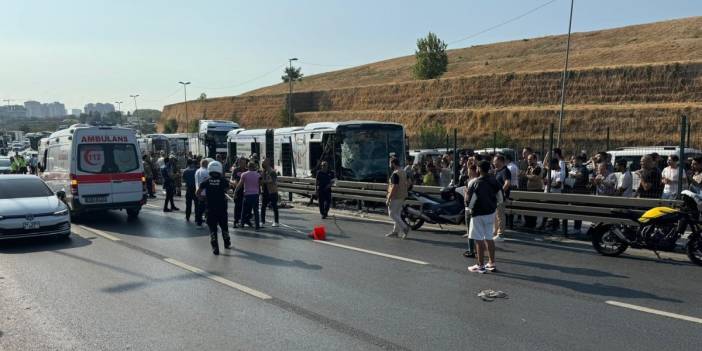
point(61, 212)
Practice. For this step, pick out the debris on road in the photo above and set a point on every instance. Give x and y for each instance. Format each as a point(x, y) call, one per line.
point(491, 295)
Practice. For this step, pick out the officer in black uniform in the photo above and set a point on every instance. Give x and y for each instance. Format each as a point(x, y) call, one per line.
point(215, 197)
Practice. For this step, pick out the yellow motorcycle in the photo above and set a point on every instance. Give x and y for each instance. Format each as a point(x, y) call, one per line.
point(658, 229)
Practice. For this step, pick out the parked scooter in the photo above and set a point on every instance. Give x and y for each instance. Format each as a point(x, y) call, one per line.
point(448, 208)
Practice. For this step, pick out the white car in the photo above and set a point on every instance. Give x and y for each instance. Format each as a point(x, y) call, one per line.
point(28, 208)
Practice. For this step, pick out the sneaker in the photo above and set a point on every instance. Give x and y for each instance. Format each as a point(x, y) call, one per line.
point(227, 245)
point(175, 209)
point(275, 225)
point(215, 251)
point(167, 210)
point(391, 235)
point(491, 267)
point(498, 238)
point(477, 269)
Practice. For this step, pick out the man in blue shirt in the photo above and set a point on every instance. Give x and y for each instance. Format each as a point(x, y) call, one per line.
point(189, 178)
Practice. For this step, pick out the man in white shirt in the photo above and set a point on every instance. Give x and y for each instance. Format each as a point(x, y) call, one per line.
point(669, 177)
point(200, 205)
point(625, 179)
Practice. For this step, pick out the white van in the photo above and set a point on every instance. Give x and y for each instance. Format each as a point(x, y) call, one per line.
point(633, 155)
point(98, 168)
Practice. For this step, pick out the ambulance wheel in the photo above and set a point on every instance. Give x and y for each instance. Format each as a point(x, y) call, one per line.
point(133, 213)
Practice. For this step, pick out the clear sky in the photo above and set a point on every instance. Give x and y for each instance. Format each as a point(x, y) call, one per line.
point(81, 51)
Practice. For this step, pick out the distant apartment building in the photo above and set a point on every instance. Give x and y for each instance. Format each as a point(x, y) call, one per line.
point(37, 109)
point(99, 108)
point(55, 109)
point(13, 111)
point(34, 109)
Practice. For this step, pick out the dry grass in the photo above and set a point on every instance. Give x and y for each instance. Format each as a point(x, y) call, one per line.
point(676, 40)
point(635, 80)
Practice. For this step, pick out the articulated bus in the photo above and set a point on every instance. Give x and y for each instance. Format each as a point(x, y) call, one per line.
point(355, 150)
point(212, 137)
point(154, 144)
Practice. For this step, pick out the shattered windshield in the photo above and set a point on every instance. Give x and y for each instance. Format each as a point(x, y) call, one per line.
point(365, 151)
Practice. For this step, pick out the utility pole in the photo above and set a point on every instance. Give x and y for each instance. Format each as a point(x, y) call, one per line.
point(119, 110)
point(565, 77)
point(185, 94)
point(290, 82)
point(135, 109)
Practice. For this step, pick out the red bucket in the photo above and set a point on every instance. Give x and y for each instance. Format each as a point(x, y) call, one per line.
point(319, 233)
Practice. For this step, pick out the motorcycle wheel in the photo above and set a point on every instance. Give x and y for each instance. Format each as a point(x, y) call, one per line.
point(411, 221)
point(607, 243)
point(694, 250)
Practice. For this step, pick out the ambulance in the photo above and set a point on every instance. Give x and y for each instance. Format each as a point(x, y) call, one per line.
point(97, 167)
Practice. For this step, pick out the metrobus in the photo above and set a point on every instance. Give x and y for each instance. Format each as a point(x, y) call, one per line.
point(178, 145)
point(212, 137)
point(355, 150)
point(98, 168)
point(155, 145)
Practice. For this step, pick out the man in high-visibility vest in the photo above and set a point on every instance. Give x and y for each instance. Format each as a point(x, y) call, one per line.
point(14, 165)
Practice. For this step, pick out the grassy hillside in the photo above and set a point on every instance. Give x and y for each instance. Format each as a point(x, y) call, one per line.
point(635, 81)
point(660, 42)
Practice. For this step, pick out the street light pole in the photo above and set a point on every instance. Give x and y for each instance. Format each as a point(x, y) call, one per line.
point(185, 95)
point(565, 77)
point(119, 109)
point(290, 82)
point(135, 110)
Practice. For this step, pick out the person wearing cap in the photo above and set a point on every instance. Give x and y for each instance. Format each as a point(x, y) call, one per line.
point(213, 191)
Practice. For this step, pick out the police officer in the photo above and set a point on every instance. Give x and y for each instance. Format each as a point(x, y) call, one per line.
point(216, 188)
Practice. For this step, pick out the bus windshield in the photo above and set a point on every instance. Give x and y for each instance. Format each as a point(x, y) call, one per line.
point(365, 151)
point(107, 158)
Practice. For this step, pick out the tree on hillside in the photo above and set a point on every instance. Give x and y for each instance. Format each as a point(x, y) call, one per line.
point(294, 73)
point(431, 56)
point(203, 96)
point(171, 126)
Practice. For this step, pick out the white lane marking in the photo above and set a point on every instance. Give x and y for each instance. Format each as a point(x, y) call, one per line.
point(100, 233)
point(289, 227)
point(372, 252)
point(154, 206)
point(654, 311)
point(218, 279)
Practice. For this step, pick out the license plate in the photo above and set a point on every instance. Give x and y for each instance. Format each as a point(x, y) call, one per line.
point(95, 199)
point(31, 225)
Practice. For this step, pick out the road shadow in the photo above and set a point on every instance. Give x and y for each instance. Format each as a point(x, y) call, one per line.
point(148, 224)
point(270, 260)
point(29, 245)
point(598, 289)
point(143, 280)
point(452, 244)
point(589, 272)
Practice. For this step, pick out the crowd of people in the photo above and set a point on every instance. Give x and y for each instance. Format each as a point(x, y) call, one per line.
point(253, 185)
point(21, 165)
point(489, 178)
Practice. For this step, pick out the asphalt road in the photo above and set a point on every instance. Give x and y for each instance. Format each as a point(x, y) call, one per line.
point(153, 284)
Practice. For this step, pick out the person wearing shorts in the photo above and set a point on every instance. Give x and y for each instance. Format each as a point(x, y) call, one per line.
point(484, 195)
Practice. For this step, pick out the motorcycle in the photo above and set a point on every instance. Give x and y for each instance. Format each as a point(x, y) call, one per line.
point(448, 208)
point(658, 229)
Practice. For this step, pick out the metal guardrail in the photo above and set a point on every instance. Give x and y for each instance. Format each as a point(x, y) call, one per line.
point(591, 208)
